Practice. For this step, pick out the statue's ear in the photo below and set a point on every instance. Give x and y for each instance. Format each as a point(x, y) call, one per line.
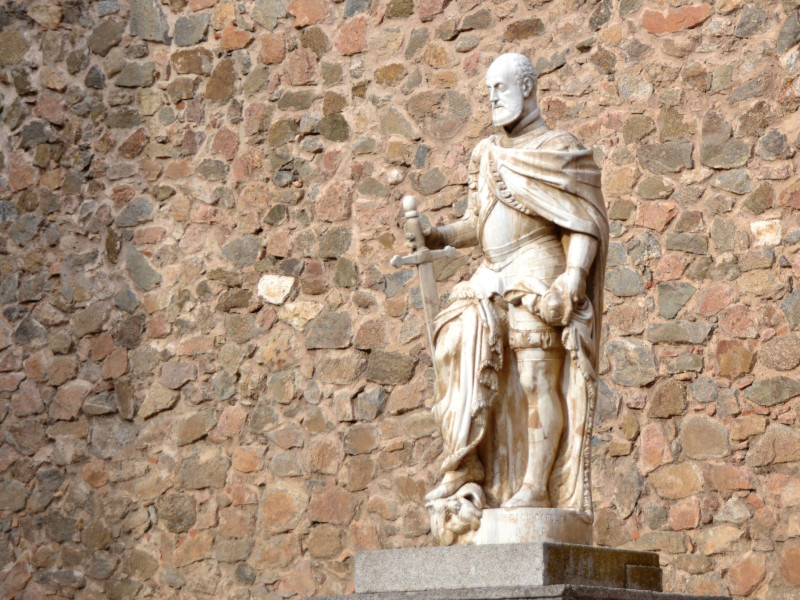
point(527, 87)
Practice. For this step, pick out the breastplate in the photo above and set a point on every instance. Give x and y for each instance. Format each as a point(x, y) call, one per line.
point(508, 231)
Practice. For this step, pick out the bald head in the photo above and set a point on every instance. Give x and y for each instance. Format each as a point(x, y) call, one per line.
point(511, 80)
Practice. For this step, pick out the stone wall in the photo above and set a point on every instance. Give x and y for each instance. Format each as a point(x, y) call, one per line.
point(212, 383)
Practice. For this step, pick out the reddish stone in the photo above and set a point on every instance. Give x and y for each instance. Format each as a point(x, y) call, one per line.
point(684, 514)
point(330, 162)
point(220, 86)
point(334, 203)
point(273, 48)
point(360, 439)
point(38, 365)
point(353, 37)
point(28, 400)
point(196, 5)
point(739, 320)
point(248, 459)
point(654, 448)
point(675, 19)
point(63, 369)
point(734, 359)
point(307, 12)
point(242, 493)
point(371, 335)
point(196, 345)
point(68, 400)
point(729, 477)
point(656, 215)
point(133, 146)
point(332, 505)
point(236, 522)
point(149, 235)
point(22, 178)
point(714, 299)
point(299, 581)
point(95, 474)
point(102, 346)
point(50, 109)
point(15, 579)
point(116, 364)
point(745, 576)
point(282, 507)
point(225, 143)
point(246, 168)
point(324, 456)
point(301, 67)
point(670, 267)
point(9, 382)
point(177, 169)
point(231, 420)
point(428, 9)
point(234, 39)
point(789, 559)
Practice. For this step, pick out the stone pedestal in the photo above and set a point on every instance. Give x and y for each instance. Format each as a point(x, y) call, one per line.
point(530, 571)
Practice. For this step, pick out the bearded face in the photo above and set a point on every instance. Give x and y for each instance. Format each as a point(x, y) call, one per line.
point(505, 94)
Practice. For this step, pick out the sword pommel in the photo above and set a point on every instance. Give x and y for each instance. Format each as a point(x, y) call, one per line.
point(413, 224)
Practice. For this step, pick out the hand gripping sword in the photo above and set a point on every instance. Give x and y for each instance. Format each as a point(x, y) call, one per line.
point(423, 258)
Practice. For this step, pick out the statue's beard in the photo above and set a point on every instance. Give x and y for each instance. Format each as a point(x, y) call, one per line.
point(507, 113)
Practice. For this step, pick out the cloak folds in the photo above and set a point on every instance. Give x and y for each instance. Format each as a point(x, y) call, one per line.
point(479, 403)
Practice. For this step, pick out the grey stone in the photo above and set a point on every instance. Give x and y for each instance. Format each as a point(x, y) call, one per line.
point(722, 233)
point(177, 511)
point(616, 255)
point(772, 146)
point(25, 229)
point(329, 330)
point(485, 567)
point(789, 34)
point(737, 182)
point(772, 391)
point(667, 399)
point(753, 19)
point(126, 299)
point(628, 7)
point(686, 363)
point(637, 127)
point(197, 474)
point(212, 169)
point(670, 157)
point(678, 332)
point(33, 134)
point(105, 36)
point(781, 353)
point(175, 375)
point(243, 251)
point(267, 12)
point(791, 306)
point(335, 242)
point(693, 243)
point(13, 496)
point(136, 75)
point(703, 438)
point(368, 404)
point(430, 182)
point(672, 297)
point(644, 248)
point(624, 282)
point(335, 128)
point(110, 434)
point(233, 550)
point(393, 123)
point(191, 30)
point(95, 78)
point(107, 7)
point(543, 66)
point(30, 332)
point(136, 212)
point(143, 275)
point(148, 21)
point(389, 368)
point(372, 187)
point(634, 364)
point(100, 404)
point(354, 7)
point(753, 88)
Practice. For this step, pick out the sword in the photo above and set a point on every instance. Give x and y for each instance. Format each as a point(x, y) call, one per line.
point(423, 258)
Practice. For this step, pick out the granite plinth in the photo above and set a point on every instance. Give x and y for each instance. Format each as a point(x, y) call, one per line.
point(546, 592)
point(502, 566)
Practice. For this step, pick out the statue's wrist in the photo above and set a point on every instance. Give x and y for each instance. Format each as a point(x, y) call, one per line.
point(582, 270)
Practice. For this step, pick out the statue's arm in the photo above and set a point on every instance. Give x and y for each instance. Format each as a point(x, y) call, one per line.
point(581, 252)
point(461, 233)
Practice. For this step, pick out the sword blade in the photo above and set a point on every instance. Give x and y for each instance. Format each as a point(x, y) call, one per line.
point(430, 298)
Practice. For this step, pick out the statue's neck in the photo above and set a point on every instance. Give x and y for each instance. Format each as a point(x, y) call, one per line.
point(530, 122)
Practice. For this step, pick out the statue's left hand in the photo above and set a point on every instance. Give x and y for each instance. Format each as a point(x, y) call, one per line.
point(572, 285)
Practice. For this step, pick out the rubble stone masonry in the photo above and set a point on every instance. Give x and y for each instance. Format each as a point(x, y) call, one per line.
point(214, 385)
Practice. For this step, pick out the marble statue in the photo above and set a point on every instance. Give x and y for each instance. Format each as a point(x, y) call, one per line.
point(516, 348)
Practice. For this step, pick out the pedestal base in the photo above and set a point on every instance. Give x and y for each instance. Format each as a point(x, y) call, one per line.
point(544, 592)
point(530, 525)
point(504, 565)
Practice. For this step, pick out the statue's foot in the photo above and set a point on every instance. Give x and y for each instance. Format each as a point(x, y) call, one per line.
point(527, 497)
point(451, 482)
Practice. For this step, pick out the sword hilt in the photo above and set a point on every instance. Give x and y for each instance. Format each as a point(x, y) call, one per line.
point(413, 223)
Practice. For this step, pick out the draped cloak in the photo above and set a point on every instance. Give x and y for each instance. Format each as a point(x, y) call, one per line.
point(479, 403)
